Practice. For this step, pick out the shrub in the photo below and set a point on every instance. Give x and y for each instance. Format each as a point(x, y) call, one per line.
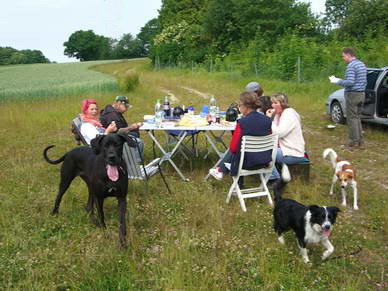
point(128, 81)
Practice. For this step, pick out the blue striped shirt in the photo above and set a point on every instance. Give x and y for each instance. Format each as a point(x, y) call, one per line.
point(355, 76)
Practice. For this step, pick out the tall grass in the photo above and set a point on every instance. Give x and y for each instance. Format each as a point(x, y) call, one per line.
point(191, 239)
point(39, 81)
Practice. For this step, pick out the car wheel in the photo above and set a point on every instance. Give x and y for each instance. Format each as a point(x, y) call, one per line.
point(336, 113)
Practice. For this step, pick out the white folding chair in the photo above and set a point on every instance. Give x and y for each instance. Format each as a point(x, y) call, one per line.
point(254, 144)
point(137, 170)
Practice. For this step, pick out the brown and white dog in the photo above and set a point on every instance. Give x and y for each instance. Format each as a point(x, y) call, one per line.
point(345, 173)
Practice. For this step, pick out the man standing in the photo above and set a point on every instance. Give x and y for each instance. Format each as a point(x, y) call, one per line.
point(355, 84)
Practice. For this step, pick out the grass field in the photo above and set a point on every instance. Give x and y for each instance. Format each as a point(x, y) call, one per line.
point(192, 239)
point(39, 81)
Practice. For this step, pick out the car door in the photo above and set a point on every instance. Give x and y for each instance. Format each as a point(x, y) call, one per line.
point(369, 106)
point(382, 96)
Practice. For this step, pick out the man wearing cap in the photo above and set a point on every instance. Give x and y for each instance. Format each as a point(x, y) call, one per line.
point(255, 88)
point(115, 113)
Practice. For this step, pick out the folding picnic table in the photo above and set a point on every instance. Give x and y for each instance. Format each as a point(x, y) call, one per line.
point(208, 130)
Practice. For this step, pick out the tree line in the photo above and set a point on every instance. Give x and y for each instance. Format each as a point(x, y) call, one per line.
point(11, 56)
point(269, 36)
point(85, 45)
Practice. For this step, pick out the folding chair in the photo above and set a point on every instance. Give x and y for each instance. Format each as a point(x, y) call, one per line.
point(137, 170)
point(76, 130)
point(254, 144)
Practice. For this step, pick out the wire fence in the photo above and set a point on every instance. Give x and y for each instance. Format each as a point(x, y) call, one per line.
point(297, 70)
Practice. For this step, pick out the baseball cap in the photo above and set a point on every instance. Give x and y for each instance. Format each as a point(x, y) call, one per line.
point(122, 99)
point(252, 87)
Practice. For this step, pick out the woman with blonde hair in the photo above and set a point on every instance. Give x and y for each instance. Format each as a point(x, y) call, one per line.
point(287, 125)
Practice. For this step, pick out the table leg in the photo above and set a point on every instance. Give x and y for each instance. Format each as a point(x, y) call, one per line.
point(214, 146)
point(167, 156)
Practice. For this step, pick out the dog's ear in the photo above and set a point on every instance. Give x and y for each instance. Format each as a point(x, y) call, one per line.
point(314, 208)
point(333, 210)
point(96, 143)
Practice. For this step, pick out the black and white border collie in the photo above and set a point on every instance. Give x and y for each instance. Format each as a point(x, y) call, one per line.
point(311, 224)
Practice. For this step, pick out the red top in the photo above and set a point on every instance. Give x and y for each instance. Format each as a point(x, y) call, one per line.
point(235, 141)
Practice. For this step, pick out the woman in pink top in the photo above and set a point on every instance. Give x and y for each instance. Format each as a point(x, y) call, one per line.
point(287, 125)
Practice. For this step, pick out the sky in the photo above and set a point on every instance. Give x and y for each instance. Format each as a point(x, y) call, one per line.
point(46, 24)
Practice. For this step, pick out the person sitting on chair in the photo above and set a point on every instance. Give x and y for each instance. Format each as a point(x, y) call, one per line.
point(252, 123)
point(91, 126)
point(254, 87)
point(114, 112)
point(287, 125)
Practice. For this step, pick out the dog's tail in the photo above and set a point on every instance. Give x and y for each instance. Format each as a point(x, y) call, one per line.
point(60, 160)
point(332, 154)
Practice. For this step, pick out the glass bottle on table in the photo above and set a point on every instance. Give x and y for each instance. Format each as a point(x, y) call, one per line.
point(166, 106)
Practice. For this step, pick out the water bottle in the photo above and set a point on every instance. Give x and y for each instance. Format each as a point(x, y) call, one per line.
point(158, 114)
point(212, 105)
point(166, 106)
point(157, 106)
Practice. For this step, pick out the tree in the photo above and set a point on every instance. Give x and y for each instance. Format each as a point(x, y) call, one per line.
point(10, 56)
point(87, 46)
point(356, 18)
point(128, 47)
point(148, 32)
point(176, 11)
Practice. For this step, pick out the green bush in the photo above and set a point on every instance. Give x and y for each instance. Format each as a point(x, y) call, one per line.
point(128, 81)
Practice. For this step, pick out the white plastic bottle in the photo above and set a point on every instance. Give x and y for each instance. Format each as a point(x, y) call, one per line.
point(158, 114)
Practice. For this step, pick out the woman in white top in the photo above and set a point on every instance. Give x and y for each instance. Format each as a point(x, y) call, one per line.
point(287, 125)
point(91, 126)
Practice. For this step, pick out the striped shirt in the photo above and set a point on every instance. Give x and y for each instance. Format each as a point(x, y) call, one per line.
point(355, 76)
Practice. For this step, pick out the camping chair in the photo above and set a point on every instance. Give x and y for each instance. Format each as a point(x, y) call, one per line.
point(76, 130)
point(254, 144)
point(137, 170)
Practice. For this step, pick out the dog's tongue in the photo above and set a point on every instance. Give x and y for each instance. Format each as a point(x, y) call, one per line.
point(327, 233)
point(112, 172)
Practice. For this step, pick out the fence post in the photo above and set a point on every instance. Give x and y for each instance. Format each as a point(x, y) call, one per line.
point(256, 72)
point(298, 68)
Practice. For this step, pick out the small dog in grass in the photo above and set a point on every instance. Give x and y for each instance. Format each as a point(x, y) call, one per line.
point(311, 224)
point(345, 173)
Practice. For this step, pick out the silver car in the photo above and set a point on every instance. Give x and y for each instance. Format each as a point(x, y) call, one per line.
point(375, 107)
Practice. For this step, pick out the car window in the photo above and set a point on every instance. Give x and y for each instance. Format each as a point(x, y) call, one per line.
point(371, 78)
point(384, 83)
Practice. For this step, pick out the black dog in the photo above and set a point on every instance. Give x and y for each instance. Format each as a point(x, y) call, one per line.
point(311, 224)
point(103, 170)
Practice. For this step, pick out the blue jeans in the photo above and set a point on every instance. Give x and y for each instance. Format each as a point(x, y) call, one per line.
point(289, 160)
point(227, 158)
